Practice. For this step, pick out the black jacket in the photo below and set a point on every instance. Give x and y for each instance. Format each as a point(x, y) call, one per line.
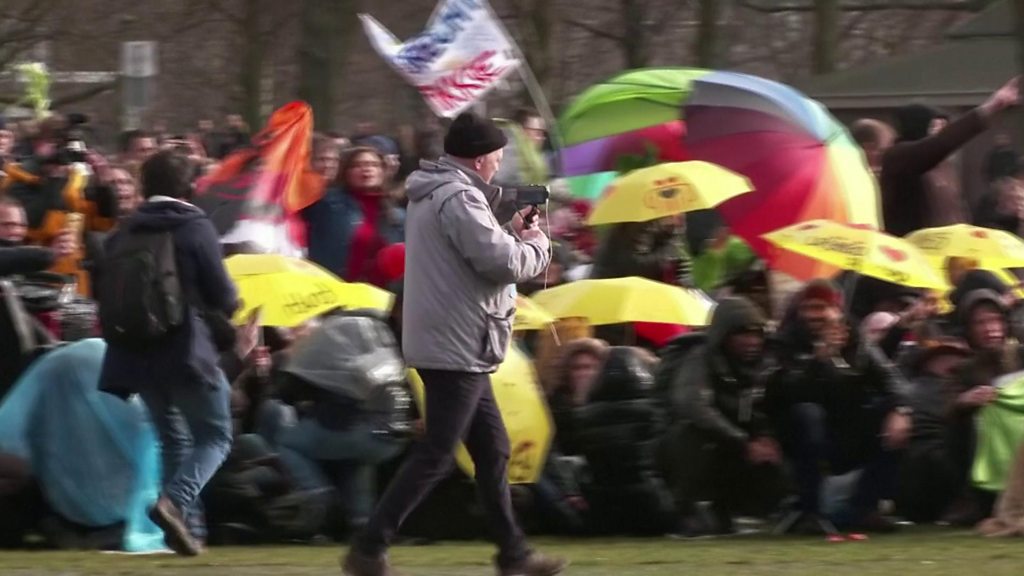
point(619, 428)
point(17, 259)
point(841, 385)
point(715, 395)
point(189, 355)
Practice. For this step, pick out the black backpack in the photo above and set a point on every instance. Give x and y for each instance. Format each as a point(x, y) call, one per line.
point(140, 296)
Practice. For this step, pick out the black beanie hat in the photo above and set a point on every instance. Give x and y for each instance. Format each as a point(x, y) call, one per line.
point(470, 136)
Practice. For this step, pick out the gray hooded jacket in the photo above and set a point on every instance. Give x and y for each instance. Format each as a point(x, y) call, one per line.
point(460, 270)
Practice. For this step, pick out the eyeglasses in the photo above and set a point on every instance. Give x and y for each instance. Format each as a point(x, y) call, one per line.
point(355, 165)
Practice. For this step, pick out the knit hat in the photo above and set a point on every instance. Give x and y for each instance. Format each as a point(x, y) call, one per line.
point(471, 136)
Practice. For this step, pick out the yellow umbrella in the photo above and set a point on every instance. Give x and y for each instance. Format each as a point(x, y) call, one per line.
point(530, 316)
point(622, 300)
point(666, 190)
point(861, 249)
point(992, 249)
point(524, 411)
point(289, 291)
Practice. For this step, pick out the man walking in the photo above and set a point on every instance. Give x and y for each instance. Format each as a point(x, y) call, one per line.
point(459, 302)
point(162, 274)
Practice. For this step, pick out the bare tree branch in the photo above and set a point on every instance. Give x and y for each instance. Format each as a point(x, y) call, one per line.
point(84, 94)
point(593, 29)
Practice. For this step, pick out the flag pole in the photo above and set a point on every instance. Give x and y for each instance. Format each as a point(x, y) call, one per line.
point(534, 89)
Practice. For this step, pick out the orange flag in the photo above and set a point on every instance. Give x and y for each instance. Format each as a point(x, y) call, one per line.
point(256, 193)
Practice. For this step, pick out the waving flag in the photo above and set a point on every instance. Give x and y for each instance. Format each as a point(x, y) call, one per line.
point(256, 193)
point(463, 53)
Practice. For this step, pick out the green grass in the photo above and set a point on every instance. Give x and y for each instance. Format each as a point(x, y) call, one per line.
point(931, 553)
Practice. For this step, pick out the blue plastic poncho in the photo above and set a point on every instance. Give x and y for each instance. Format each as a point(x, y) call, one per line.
point(95, 455)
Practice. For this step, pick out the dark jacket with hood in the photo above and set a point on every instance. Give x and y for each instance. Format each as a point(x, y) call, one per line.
point(985, 365)
point(619, 427)
point(716, 395)
point(189, 355)
point(920, 187)
point(643, 249)
point(841, 385)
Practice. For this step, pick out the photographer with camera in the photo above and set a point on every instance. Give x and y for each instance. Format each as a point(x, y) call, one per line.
point(53, 186)
point(456, 328)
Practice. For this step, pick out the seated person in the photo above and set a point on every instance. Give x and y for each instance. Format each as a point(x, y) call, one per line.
point(16, 256)
point(984, 319)
point(720, 439)
point(351, 416)
point(928, 477)
point(839, 402)
point(619, 430)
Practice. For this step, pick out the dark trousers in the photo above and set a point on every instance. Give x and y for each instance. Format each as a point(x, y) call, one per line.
point(813, 442)
point(703, 468)
point(460, 407)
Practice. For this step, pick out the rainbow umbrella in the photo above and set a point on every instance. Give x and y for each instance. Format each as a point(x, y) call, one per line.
point(634, 114)
point(801, 160)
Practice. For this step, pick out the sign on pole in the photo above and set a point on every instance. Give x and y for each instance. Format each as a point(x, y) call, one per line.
point(138, 59)
point(138, 67)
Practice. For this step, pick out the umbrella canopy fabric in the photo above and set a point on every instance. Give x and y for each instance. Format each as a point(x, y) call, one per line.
point(349, 356)
point(630, 101)
point(625, 300)
point(801, 160)
point(861, 249)
point(530, 316)
point(289, 291)
point(643, 146)
point(667, 190)
point(524, 411)
point(993, 249)
point(591, 186)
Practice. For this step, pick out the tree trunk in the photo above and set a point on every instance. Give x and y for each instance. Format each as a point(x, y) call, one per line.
point(634, 36)
point(535, 21)
point(826, 35)
point(251, 70)
point(317, 57)
point(707, 49)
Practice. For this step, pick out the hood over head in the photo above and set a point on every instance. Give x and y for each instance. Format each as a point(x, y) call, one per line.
point(161, 215)
point(731, 316)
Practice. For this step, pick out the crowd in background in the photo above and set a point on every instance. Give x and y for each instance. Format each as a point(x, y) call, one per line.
point(845, 405)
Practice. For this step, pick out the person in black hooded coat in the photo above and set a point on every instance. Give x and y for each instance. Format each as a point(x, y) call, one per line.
point(618, 432)
point(920, 188)
point(721, 446)
point(839, 401)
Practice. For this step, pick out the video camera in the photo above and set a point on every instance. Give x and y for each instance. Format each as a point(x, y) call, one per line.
point(530, 195)
point(71, 148)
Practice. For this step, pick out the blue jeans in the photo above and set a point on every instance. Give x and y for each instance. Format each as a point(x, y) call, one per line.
point(193, 421)
point(319, 458)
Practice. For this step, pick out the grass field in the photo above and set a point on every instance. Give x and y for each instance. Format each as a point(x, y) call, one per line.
point(931, 553)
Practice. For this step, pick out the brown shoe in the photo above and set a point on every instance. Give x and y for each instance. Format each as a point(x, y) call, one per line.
point(536, 564)
point(357, 564)
point(176, 535)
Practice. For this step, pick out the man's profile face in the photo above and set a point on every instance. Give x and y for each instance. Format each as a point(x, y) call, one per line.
point(536, 130)
point(6, 142)
point(489, 165)
point(326, 162)
point(13, 224)
point(142, 148)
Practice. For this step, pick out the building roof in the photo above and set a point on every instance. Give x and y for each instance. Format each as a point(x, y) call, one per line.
point(996, 20)
point(979, 57)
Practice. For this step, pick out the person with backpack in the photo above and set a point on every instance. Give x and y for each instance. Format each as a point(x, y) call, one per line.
point(162, 278)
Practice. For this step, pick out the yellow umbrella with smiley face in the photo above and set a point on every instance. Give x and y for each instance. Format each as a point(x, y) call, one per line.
point(667, 190)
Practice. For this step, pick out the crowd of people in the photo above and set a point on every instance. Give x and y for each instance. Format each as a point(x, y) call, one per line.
point(847, 406)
